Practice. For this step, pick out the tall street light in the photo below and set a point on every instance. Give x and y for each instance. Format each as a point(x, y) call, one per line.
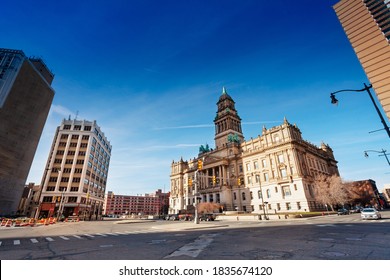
point(196, 194)
point(366, 88)
point(264, 204)
point(381, 152)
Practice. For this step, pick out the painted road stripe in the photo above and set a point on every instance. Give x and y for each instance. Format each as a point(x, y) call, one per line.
point(79, 237)
point(64, 237)
point(89, 235)
point(49, 239)
point(16, 242)
point(33, 240)
point(193, 249)
point(101, 234)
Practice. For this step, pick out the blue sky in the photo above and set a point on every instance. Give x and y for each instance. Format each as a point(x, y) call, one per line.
point(150, 73)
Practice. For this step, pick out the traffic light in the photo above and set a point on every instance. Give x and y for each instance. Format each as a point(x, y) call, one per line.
point(190, 182)
point(239, 181)
point(214, 180)
point(200, 164)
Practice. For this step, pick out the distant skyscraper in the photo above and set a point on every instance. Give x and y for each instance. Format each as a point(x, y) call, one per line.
point(367, 26)
point(75, 177)
point(25, 99)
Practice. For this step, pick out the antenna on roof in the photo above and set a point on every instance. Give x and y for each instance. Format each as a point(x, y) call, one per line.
point(77, 113)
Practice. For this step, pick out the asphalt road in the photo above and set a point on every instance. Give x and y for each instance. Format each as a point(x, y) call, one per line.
point(320, 238)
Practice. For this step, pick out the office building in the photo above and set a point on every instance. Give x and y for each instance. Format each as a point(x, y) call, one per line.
point(25, 99)
point(367, 26)
point(274, 172)
point(75, 177)
point(155, 204)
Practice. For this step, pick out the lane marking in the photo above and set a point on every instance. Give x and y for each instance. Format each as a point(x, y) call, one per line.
point(194, 248)
point(16, 242)
point(64, 237)
point(33, 240)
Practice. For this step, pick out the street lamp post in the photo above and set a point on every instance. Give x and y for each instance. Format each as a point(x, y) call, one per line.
point(196, 218)
point(261, 194)
point(381, 152)
point(366, 88)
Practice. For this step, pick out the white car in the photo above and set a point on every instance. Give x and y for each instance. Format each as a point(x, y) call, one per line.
point(370, 213)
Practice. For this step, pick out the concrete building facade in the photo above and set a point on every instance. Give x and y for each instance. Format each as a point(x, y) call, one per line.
point(273, 172)
point(75, 177)
point(25, 99)
point(367, 26)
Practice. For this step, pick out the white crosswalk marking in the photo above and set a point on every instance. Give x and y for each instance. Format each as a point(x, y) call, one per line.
point(89, 235)
point(49, 239)
point(33, 240)
point(79, 237)
point(101, 234)
point(16, 242)
point(64, 237)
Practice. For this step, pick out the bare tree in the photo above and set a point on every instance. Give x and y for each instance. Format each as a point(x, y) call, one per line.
point(208, 207)
point(331, 190)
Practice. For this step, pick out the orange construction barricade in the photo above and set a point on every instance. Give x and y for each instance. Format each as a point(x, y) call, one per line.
point(9, 223)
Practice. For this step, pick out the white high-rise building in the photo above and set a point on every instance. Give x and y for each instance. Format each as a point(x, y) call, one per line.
point(75, 176)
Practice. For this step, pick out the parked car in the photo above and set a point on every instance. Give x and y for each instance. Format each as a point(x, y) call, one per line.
point(207, 217)
point(356, 209)
point(370, 213)
point(172, 217)
point(343, 211)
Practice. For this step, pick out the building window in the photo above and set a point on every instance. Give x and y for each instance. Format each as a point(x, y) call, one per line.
point(67, 127)
point(276, 189)
point(234, 196)
point(87, 128)
point(286, 190)
point(249, 180)
point(77, 127)
point(264, 163)
point(283, 171)
point(75, 136)
point(256, 165)
point(268, 193)
point(288, 205)
point(299, 206)
point(50, 189)
point(259, 194)
point(243, 196)
point(278, 206)
point(266, 177)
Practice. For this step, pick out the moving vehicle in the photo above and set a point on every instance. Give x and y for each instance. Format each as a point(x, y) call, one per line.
point(370, 213)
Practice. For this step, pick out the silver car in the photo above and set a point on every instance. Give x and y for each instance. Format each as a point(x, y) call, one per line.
point(370, 213)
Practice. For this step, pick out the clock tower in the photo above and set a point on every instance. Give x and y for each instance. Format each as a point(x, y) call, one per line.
point(227, 122)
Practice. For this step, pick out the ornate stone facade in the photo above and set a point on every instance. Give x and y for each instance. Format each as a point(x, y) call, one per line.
point(273, 172)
